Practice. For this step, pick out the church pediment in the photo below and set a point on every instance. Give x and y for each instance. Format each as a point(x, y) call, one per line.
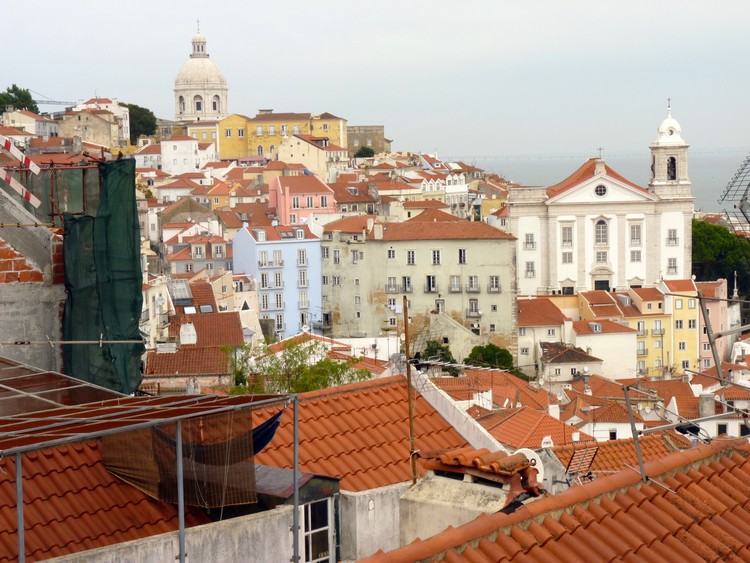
point(602, 190)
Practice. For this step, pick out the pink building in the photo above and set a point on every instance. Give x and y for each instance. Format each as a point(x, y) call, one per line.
point(297, 198)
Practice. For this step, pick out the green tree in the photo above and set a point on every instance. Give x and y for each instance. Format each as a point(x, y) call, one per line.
point(436, 351)
point(142, 122)
point(718, 253)
point(19, 98)
point(302, 365)
point(490, 356)
point(364, 152)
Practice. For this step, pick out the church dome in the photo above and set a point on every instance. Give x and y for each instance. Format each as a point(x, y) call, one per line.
point(200, 72)
point(669, 131)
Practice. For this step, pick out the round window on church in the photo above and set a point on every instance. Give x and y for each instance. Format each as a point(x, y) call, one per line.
point(600, 190)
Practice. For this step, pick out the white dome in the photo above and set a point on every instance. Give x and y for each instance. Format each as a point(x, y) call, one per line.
point(669, 131)
point(201, 73)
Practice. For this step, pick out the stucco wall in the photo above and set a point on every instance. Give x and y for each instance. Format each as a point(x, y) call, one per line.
point(370, 521)
point(259, 538)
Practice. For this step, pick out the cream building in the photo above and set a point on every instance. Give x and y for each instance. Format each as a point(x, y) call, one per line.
point(460, 268)
point(200, 89)
point(598, 230)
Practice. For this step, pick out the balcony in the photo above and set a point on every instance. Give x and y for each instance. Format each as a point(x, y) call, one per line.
point(303, 284)
point(672, 271)
point(391, 289)
point(529, 246)
point(473, 313)
point(493, 289)
point(657, 332)
point(530, 274)
point(673, 241)
point(406, 289)
point(455, 288)
point(302, 263)
point(473, 289)
point(430, 288)
point(635, 242)
point(303, 304)
point(642, 352)
point(643, 332)
point(271, 264)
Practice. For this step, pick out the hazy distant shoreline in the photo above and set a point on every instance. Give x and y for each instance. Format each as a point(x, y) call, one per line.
point(710, 171)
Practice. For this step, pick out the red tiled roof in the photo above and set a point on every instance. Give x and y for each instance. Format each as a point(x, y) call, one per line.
point(527, 427)
point(212, 329)
point(613, 455)
point(561, 353)
point(355, 224)
point(72, 503)
point(539, 312)
point(586, 172)
point(648, 293)
point(668, 388)
point(188, 360)
point(302, 184)
point(432, 215)
point(697, 509)
point(605, 327)
point(426, 204)
point(359, 433)
point(680, 285)
point(281, 117)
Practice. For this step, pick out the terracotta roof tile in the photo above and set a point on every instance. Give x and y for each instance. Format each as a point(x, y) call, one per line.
point(527, 427)
point(366, 451)
point(680, 285)
point(604, 327)
point(188, 360)
point(442, 230)
point(72, 503)
point(584, 173)
point(699, 514)
point(539, 312)
point(212, 329)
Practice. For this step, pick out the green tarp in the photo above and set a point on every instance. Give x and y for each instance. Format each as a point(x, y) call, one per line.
point(103, 280)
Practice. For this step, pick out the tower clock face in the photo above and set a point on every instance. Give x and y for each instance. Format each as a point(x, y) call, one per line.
point(670, 131)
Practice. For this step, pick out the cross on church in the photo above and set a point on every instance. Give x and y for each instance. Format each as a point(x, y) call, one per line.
point(669, 103)
point(199, 25)
point(600, 149)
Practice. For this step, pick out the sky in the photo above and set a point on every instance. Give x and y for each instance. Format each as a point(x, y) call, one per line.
point(472, 78)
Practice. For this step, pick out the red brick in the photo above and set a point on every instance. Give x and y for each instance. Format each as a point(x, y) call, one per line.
point(9, 277)
point(7, 252)
point(30, 276)
point(20, 264)
point(6, 265)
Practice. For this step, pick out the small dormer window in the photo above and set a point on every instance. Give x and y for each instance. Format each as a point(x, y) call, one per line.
point(261, 235)
point(300, 233)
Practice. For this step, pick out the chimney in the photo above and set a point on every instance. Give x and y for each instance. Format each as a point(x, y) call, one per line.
point(706, 405)
point(378, 231)
point(554, 411)
point(599, 167)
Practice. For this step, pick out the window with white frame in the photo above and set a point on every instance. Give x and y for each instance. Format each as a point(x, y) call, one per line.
point(324, 252)
point(473, 283)
point(530, 270)
point(635, 255)
point(566, 235)
point(462, 256)
point(678, 303)
point(324, 280)
point(494, 285)
point(672, 239)
point(391, 254)
point(522, 331)
point(392, 321)
point(685, 364)
point(691, 303)
point(411, 259)
point(528, 243)
point(692, 323)
point(682, 345)
point(436, 257)
point(336, 280)
point(672, 266)
point(336, 256)
point(567, 257)
point(601, 232)
point(601, 257)
point(302, 278)
point(278, 279)
point(678, 324)
point(301, 257)
point(635, 235)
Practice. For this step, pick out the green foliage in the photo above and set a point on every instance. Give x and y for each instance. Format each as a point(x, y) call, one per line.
point(364, 152)
point(718, 253)
point(490, 356)
point(19, 98)
point(239, 363)
point(436, 351)
point(303, 366)
point(142, 122)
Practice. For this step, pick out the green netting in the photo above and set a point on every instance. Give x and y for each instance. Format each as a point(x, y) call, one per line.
point(103, 280)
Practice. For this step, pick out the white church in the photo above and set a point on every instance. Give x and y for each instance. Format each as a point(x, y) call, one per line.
point(598, 230)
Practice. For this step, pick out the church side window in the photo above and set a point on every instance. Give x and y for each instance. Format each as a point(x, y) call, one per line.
point(671, 168)
point(198, 102)
point(215, 103)
point(182, 104)
point(260, 150)
point(601, 232)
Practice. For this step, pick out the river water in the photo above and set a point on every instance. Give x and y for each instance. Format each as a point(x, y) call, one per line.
point(709, 171)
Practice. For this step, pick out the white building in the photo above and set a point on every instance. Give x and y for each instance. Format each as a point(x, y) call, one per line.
point(598, 230)
point(200, 89)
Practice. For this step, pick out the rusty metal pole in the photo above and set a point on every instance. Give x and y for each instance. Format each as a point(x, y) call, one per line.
point(410, 392)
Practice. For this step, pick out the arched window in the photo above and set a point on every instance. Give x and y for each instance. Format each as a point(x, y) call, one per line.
point(215, 104)
point(181, 104)
point(198, 103)
point(260, 150)
point(671, 168)
point(271, 149)
point(601, 232)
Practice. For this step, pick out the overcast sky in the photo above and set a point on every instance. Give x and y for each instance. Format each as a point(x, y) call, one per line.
point(463, 78)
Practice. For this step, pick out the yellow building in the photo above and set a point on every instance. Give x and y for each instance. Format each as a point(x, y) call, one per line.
point(232, 137)
point(203, 131)
point(681, 301)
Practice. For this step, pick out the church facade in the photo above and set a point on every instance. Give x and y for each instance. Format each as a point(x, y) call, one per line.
point(200, 89)
point(598, 230)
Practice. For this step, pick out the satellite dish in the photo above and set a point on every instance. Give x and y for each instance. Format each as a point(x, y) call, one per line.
point(534, 457)
point(585, 369)
point(305, 328)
